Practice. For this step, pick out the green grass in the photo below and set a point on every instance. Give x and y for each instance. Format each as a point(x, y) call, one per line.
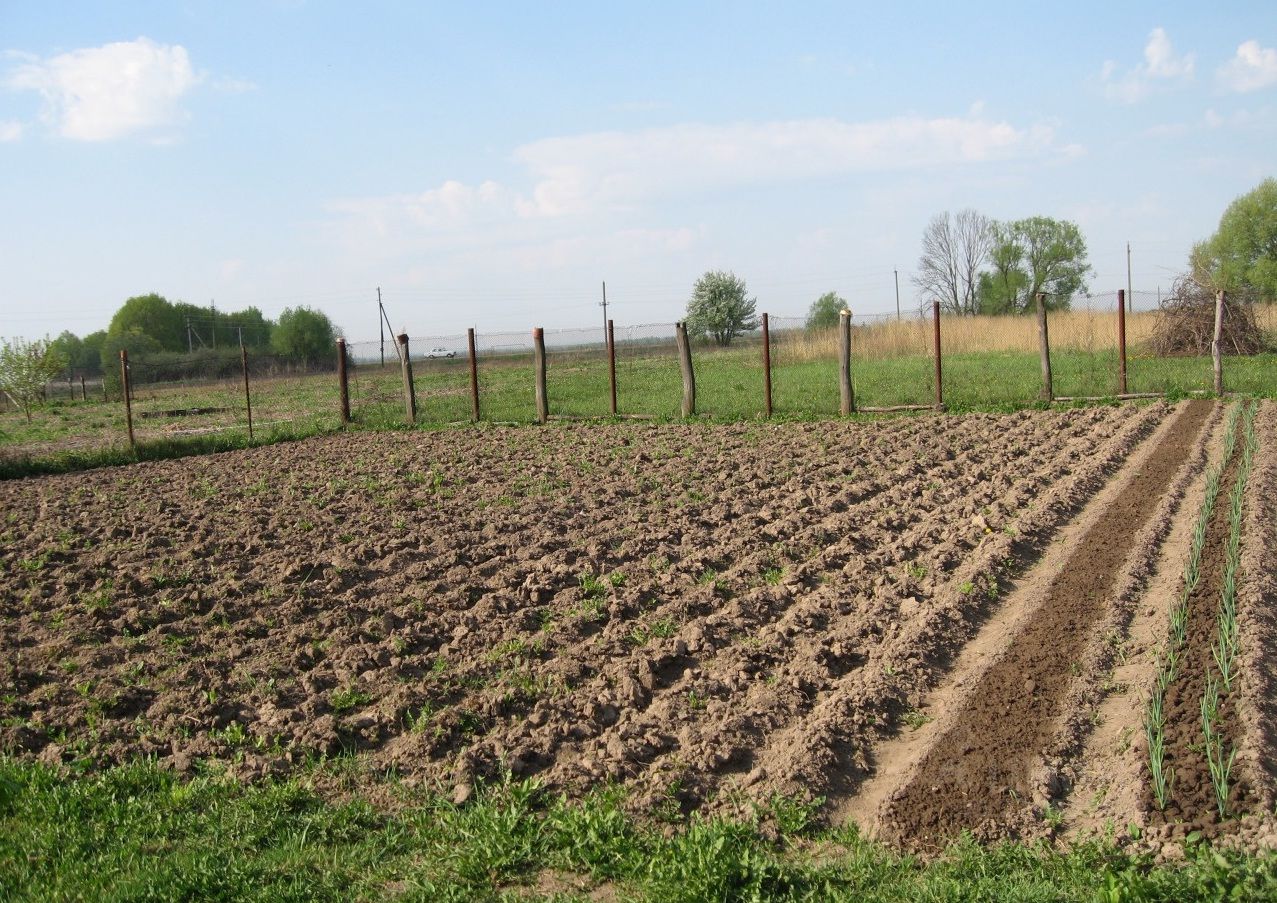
point(74, 435)
point(138, 833)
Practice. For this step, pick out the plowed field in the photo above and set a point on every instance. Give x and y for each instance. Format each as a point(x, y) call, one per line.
point(703, 614)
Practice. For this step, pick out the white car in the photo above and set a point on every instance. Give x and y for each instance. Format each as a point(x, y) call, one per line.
point(440, 352)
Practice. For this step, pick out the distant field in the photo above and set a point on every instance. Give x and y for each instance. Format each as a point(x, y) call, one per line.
point(989, 364)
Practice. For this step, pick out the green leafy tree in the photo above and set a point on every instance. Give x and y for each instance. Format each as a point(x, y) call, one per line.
point(25, 369)
point(70, 347)
point(155, 316)
point(305, 336)
point(825, 310)
point(1242, 254)
point(90, 359)
point(720, 308)
point(1037, 254)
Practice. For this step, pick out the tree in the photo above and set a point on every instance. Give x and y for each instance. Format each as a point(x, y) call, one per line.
point(70, 347)
point(139, 345)
point(25, 369)
point(720, 308)
point(953, 251)
point(825, 310)
point(1037, 254)
point(304, 335)
point(152, 315)
point(1242, 254)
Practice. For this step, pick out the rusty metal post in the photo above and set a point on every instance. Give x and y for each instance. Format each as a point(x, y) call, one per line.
point(538, 366)
point(1216, 353)
point(611, 363)
point(767, 367)
point(343, 383)
point(685, 367)
point(84, 392)
point(935, 343)
point(127, 389)
point(474, 376)
point(409, 390)
point(248, 399)
point(846, 389)
point(1121, 341)
point(1044, 350)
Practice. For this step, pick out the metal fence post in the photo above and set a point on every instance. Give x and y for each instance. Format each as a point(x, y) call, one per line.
point(1217, 360)
point(343, 383)
point(935, 342)
point(847, 391)
point(767, 367)
point(1121, 341)
point(127, 388)
point(474, 376)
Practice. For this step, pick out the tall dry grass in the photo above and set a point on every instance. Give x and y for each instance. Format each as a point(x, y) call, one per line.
point(1074, 330)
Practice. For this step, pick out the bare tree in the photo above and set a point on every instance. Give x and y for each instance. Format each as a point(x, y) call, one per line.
point(953, 251)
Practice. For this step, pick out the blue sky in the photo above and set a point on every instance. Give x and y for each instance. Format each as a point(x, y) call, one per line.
point(491, 164)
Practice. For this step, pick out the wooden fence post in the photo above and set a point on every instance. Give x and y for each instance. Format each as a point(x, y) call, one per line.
point(1044, 348)
point(1121, 341)
point(538, 366)
point(474, 376)
point(84, 392)
point(409, 390)
point(127, 389)
point(343, 382)
point(248, 400)
point(847, 391)
point(685, 367)
point(935, 342)
point(767, 367)
point(1216, 355)
point(611, 363)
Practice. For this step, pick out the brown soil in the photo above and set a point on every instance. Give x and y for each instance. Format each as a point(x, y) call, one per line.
point(707, 614)
point(982, 771)
point(1193, 806)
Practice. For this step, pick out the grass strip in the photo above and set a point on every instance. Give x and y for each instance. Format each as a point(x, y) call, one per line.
point(137, 832)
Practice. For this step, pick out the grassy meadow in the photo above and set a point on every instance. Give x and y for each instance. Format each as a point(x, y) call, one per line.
point(988, 363)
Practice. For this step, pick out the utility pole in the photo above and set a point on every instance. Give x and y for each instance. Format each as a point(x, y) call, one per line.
point(604, 306)
point(381, 328)
point(896, 273)
point(1130, 295)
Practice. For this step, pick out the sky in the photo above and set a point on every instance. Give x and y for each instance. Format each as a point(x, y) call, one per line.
point(492, 164)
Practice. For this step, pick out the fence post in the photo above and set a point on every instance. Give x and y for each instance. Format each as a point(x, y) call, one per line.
point(1216, 357)
point(84, 392)
point(935, 342)
point(611, 363)
point(474, 376)
point(847, 391)
point(1121, 341)
point(127, 389)
point(248, 400)
point(538, 366)
point(685, 367)
point(1044, 348)
point(409, 391)
point(343, 383)
point(767, 367)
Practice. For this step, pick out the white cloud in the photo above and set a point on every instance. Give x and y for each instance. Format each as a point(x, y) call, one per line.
point(451, 205)
point(1251, 68)
point(10, 130)
point(616, 170)
point(1161, 63)
point(107, 92)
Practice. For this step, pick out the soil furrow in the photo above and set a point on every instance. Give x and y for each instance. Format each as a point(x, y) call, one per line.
point(979, 771)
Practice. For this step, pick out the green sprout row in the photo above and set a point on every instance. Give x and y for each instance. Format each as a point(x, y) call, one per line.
point(1163, 777)
point(1225, 650)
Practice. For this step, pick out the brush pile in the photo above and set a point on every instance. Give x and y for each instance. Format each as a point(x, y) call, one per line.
point(1187, 323)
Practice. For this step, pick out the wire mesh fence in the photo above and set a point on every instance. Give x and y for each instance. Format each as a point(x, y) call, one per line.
point(985, 362)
